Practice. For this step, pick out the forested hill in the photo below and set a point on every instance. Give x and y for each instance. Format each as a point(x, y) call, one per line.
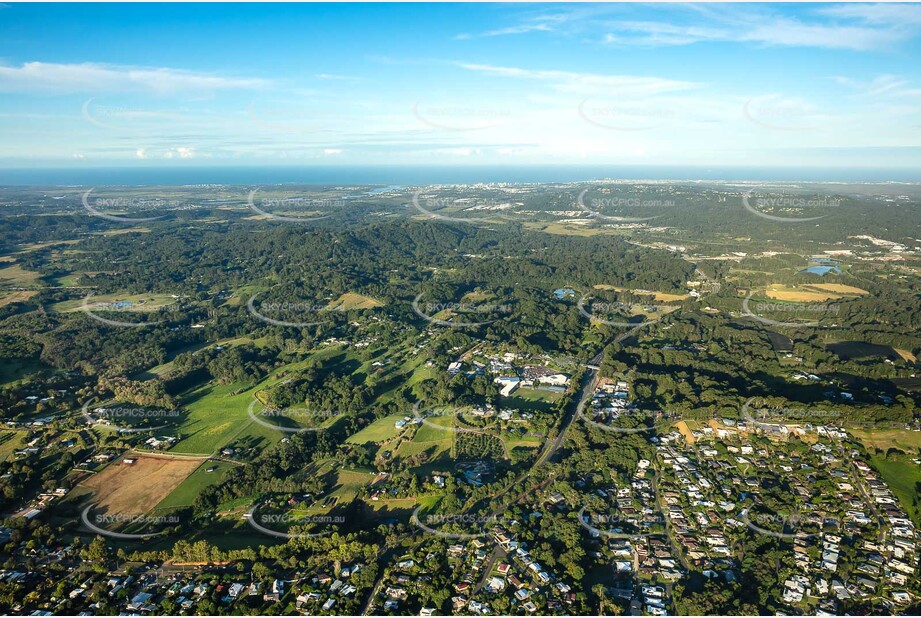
point(175, 258)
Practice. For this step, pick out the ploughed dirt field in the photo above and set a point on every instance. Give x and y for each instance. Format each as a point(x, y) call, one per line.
point(134, 489)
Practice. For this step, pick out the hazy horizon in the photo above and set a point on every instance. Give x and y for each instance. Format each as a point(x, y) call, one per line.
point(440, 174)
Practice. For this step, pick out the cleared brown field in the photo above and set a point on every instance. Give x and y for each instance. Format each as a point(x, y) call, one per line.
point(134, 489)
point(351, 301)
point(782, 292)
point(906, 355)
point(659, 296)
point(17, 275)
point(130, 230)
point(666, 297)
point(838, 288)
point(685, 431)
point(15, 297)
point(883, 439)
point(41, 245)
point(566, 229)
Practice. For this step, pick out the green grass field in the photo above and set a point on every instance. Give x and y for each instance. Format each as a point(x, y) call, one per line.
point(351, 301)
point(11, 440)
point(435, 435)
point(901, 474)
point(522, 441)
point(435, 429)
point(188, 490)
point(142, 302)
point(349, 483)
point(394, 505)
point(16, 275)
point(531, 399)
point(68, 281)
point(215, 417)
point(408, 449)
point(884, 439)
point(378, 431)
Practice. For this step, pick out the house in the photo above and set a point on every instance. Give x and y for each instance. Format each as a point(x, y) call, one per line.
point(508, 383)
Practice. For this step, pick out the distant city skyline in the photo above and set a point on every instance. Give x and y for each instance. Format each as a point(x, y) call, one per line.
point(812, 85)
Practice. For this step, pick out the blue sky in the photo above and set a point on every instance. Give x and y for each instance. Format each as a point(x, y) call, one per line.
point(450, 84)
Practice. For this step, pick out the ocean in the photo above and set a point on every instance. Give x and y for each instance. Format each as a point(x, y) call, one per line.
point(419, 175)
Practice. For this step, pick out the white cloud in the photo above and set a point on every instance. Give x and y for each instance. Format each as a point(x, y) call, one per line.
point(44, 77)
point(140, 153)
point(855, 27)
point(182, 152)
point(520, 29)
point(770, 31)
point(884, 13)
point(332, 152)
point(791, 33)
point(587, 83)
point(879, 86)
point(336, 77)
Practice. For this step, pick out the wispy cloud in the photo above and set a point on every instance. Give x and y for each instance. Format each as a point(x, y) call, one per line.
point(52, 78)
point(880, 86)
point(519, 29)
point(587, 83)
point(336, 77)
point(856, 27)
point(760, 29)
point(885, 13)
